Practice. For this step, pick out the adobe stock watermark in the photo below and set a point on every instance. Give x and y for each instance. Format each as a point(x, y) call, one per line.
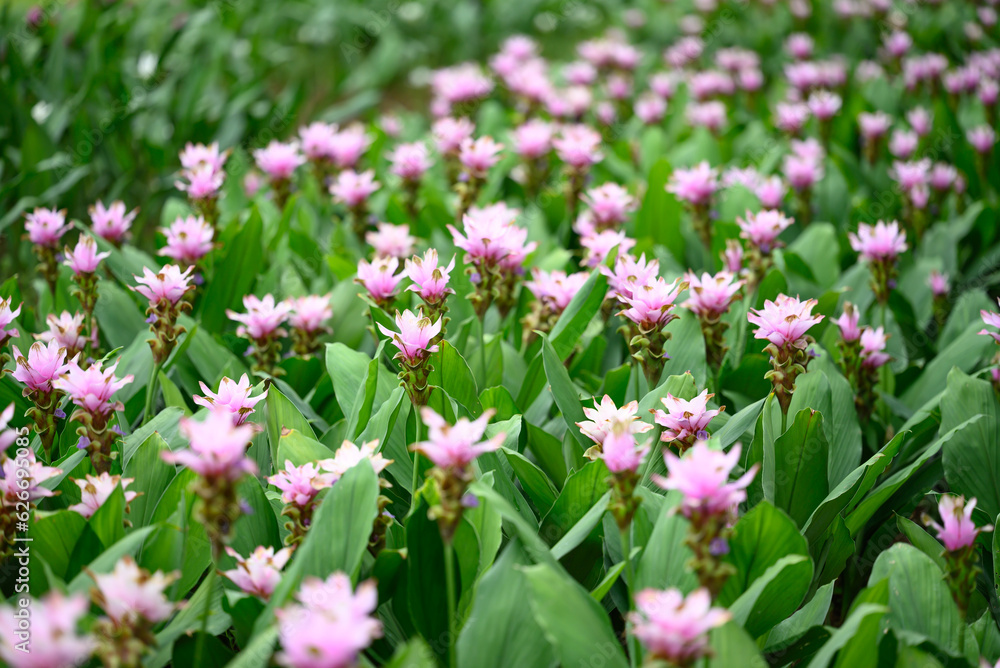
point(22, 544)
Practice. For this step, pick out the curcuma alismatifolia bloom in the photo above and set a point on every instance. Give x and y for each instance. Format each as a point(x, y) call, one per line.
point(21, 481)
point(958, 531)
point(430, 281)
point(674, 628)
point(685, 422)
point(7, 317)
point(880, 245)
point(553, 292)
point(414, 340)
point(91, 390)
point(56, 637)
point(165, 291)
point(649, 310)
point(380, 280)
point(260, 572)
point(623, 455)
point(262, 325)
point(188, 240)
point(307, 320)
point(709, 298)
point(44, 228)
point(352, 189)
point(603, 416)
point(66, 329)
point(36, 371)
point(232, 396)
point(96, 489)
point(84, 260)
point(696, 187)
point(112, 223)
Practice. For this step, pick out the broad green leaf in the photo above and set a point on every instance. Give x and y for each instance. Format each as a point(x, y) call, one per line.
point(972, 464)
point(565, 393)
point(796, 466)
point(775, 595)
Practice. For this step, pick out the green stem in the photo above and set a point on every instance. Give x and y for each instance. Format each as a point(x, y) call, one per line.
point(147, 412)
point(633, 647)
point(784, 421)
point(416, 456)
point(449, 580)
point(199, 646)
point(482, 346)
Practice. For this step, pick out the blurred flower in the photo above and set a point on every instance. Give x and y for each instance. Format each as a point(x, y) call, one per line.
point(353, 189)
point(957, 529)
point(455, 446)
point(533, 139)
point(609, 204)
point(130, 595)
point(201, 183)
point(824, 105)
point(46, 226)
point(95, 490)
point(695, 185)
point(218, 447)
point(309, 313)
point(23, 483)
point(620, 450)
point(598, 246)
point(920, 120)
point(479, 156)
point(317, 141)
point(195, 156)
point(279, 160)
point(189, 239)
point(55, 639)
point(938, 283)
point(873, 342)
point(349, 145)
point(578, 146)
point(410, 161)
point(299, 485)
point(7, 316)
point(881, 242)
point(263, 318)
point(991, 319)
point(112, 223)
point(702, 477)
point(450, 133)
point(982, 138)
point(673, 628)
point(848, 323)
point(391, 240)
point(761, 229)
point(349, 455)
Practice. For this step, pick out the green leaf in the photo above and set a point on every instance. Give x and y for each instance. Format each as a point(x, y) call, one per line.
point(923, 541)
point(151, 475)
point(452, 373)
point(565, 393)
point(865, 616)
point(234, 274)
point(578, 315)
point(580, 493)
point(108, 521)
point(53, 536)
point(533, 481)
point(796, 466)
point(972, 465)
point(738, 425)
point(414, 654)
point(775, 595)
point(426, 592)
point(299, 449)
point(659, 216)
point(731, 646)
point(283, 415)
point(128, 545)
point(664, 560)
point(582, 529)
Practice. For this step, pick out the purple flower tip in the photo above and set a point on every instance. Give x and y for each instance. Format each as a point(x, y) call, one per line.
point(198, 279)
point(246, 508)
point(470, 501)
point(151, 319)
point(60, 413)
point(118, 430)
point(718, 547)
point(83, 443)
point(702, 435)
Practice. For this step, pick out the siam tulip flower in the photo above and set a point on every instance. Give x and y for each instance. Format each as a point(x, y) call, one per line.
point(44, 228)
point(958, 532)
point(532, 140)
point(982, 138)
point(165, 291)
point(55, 640)
point(903, 144)
point(791, 117)
point(450, 133)
point(990, 319)
point(279, 160)
point(880, 245)
point(685, 422)
point(650, 310)
point(317, 141)
point(784, 323)
point(189, 239)
point(7, 317)
point(873, 127)
point(84, 258)
point(873, 343)
point(410, 161)
point(415, 342)
point(609, 205)
point(95, 490)
point(66, 330)
point(732, 257)
point(349, 455)
point(351, 143)
point(299, 486)
point(37, 371)
point(112, 223)
point(578, 146)
point(391, 240)
point(198, 155)
point(604, 416)
point(479, 156)
point(262, 324)
point(938, 283)
point(664, 85)
point(802, 172)
point(462, 83)
point(848, 324)
point(710, 115)
point(623, 455)
point(202, 184)
point(696, 187)
point(330, 626)
point(824, 105)
point(380, 279)
point(233, 397)
point(799, 45)
point(650, 109)
point(579, 73)
point(628, 274)
point(430, 280)
point(13, 489)
point(942, 176)
point(91, 390)
point(8, 436)
point(260, 572)
point(761, 229)
point(673, 628)
point(553, 292)
point(307, 319)
point(709, 299)
point(353, 190)
point(911, 174)
point(771, 192)
point(597, 247)
point(921, 120)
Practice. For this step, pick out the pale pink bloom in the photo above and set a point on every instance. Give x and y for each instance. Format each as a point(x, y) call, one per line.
point(260, 572)
point(492, 237)
point(309, 313)
point(66, 330)
point(410, 161)
point(92, 388)
point(651, 305)
point(263, 318)
point(555, 289)
point(702, 477)
point(188, 239)
point(606, 112)
point(809, 149)
point(279, 160)
point(706, 84)
point(430, 279)
point(938, 282)
point(55, 641)
point(351, 143)
point(710, 115)
point(942, 176)
point(605, 414)
point(390, 124)
point(734, 59)
point(748, 177)
point(650, 108)
point(353, 189)
point(957, 529)
point(867, 70)
point(710, 296)
point(112, 223)
point(533, 139)
point(771, 192)
point(233, 397)
point(824, 105)
point(414, 336)
point(318, 140)
point(990, 319)
point(683, 419)
point(802, 172)
point(903, 143)
point(391, 240)
point(732, 257)
point(130, 595)
point(7, 316)
point(16, 485)
point(42, 365)
point(201, 183)
point(579, 73)
point(873, 343)
point(460, 83)
point(46, 226)
point(349, 455)
point(252, 183)
point(989, 92)
point(300, 485)
point(674, 628)
point(449, 134)
point(330, 626)
point(479, 156)
point(379, 277)
point(7, 435)
point(684, 51)
point(663, 84)
point(785, 321)
point(911, 174)
point(628, 274)
point(750, 79)
point(455, 446)
point(881, 242)
point(763, 228)
point(791, 117)
point(620, 450)
point(919, 195)
point(695, 185)
point(198, 155)
point(982, 138)
point(874, 125)
point(848, 323)
point(897, 43)
point(95, 490)
point(799, 45)
point(598, 246)
point(578, 146)
point(609, 204)
point(167, 285)
point(218, 447)
point(920, 120)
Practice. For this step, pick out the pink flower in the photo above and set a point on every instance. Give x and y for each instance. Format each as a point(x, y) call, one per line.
point(920, 120)
point(942, 176)
point(555, 289)
point(578, 146)
point(799, 45)
point(873, 343)
point(957, 529)
point(7, 435)
point(664, 84)
point(492, 237)
point(130, 595)
point(710, 115)
point(95, 490)
point(710, 296)
point(414, 337)
point(824, 105)
point(620, 451)
point(450, 133)
point(848, 323)
point(695, 185)
point(651, 305)
point(771, 192)
point(650, 109)
point(674, 628)
point(353, 189)
point(55, 641)
point(430, 280)
point(218, 447)
point(299, 485)
point(897, 43)
point(628, 274)
point(253, 181)
point(732, 257)
point(92, 388)
point(702, 476)
point(461, 83)
point(874, 125)
point(791, 117)
point(188, 239)
point(165, 286)
point(279, 160)
point(982, 138)
point(330, 625)
point(533, 139)
point(785, 321)
point(903, 143)
point(233, 397)
point(263, 318)
point(318, 140)
point(260, 572)
point(762, 228)
point(990, 319)
point(391, 240)
point(349, 455)
point(410, 161)
point(455, 446)
point(203, 182)
point(609, 204)
point(310, 312)
point(599, 246)
point(46, 226)
point(351, 143)
point(909, 175)
point(881, 242)
point(479, 156)
point(112, 223)
point(66, 330)
point(604, 415)
point(198, 155)
point(42, 365)
point(379, 278)
point(802, 172)
point(938, 282)
point(7, 316)
point(685, 420)
point(17, 486)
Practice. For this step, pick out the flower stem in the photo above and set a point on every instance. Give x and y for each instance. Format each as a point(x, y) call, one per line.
point(199, 646)
point(482, 346)
point(784, 421)
point(147, 412)
point(416, 456)
point(449, 580)
point(633, 648)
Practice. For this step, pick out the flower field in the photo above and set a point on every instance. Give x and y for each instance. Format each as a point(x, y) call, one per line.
point(558, 334)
